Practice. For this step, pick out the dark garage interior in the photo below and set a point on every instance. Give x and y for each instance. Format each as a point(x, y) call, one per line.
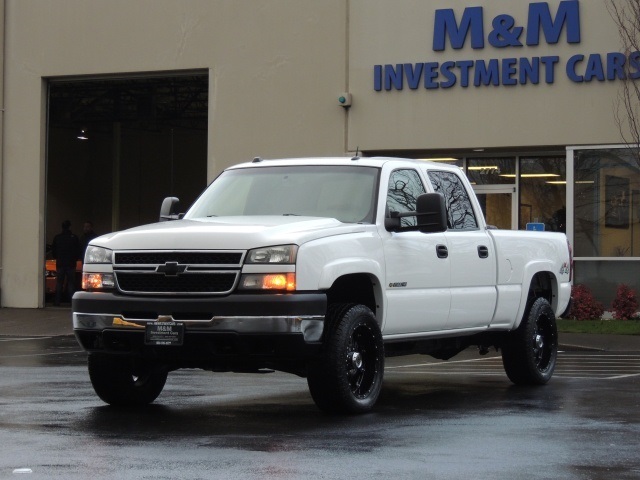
point(117, 146)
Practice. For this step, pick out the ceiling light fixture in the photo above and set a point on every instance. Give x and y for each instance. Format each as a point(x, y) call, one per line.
point(83, 135)
point(531, 175)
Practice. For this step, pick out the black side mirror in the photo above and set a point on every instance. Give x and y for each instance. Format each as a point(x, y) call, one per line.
point(169, 209)
point(391, 220)
point(431, 213)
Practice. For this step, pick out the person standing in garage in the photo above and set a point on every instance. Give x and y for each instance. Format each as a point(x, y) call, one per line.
point(66, 251)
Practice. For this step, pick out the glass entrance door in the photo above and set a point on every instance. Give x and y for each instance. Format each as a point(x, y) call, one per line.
point(498, 206)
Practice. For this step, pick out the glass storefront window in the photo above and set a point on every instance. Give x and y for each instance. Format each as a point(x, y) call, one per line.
point(607, 203)
point(491, 171)
point(496, 208)
point(543, 190)
point(603, 277)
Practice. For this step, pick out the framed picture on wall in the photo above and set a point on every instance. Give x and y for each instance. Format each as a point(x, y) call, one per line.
point(617, 202)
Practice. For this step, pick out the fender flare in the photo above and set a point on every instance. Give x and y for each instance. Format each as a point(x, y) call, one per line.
point(530, 271)
point(348, 266)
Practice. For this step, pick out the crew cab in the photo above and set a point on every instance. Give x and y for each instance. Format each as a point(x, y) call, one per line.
point(320, 267)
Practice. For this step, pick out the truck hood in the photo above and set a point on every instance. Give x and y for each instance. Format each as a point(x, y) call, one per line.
point(226, 233)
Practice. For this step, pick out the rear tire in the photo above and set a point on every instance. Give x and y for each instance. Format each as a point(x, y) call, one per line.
point(348, 376)
point(124, 381)
point(529, 355)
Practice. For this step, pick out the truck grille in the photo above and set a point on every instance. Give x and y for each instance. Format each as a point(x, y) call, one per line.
point(177, 272)
point(188, 258)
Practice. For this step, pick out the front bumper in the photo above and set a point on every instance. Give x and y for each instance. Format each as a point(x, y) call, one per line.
point(275, 326)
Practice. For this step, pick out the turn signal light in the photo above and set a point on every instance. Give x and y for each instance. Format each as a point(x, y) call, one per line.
point(280, 281)
point(97, 281)
point(269, 281)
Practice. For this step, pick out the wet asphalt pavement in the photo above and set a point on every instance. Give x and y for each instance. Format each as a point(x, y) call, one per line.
point(435, 420)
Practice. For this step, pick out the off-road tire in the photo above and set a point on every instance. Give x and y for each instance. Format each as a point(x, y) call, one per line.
point(530, 352)
point(124, 381)
point(347, 378)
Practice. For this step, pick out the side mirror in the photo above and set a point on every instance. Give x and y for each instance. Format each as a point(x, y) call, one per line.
point(431, 213)
point(169, 209)
point(392, 221)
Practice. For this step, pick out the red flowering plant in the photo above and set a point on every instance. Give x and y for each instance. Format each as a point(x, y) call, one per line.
point(625, 305)
point(585, 307)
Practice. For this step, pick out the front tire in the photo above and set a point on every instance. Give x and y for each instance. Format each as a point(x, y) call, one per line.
point(124, 381)
point(348, 376)
point(529, 355)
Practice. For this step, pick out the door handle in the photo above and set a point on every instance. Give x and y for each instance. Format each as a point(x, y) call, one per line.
point(442, 251)
point(483, 252)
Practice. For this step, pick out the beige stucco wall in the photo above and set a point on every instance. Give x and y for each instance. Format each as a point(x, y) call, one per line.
point(564, 113)
point(276, 68)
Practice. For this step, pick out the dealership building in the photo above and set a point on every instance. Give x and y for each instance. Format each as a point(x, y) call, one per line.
point(110, 106)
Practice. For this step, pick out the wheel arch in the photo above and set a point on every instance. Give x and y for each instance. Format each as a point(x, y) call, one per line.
point(361, 288)
point(541, 284)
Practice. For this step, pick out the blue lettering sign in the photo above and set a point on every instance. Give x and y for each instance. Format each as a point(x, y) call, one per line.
point(413, 74)
point(571, 68)
point(615, 66)
point(486, 74)
point(430, 74)
point(594, 68)
point(393, 77)
point(529, 70)
point(505, 33)
point(540, 17)
point(464, 66)
point(549, 67)
point(634, 63)
point(377, 78)
point(509, 70)
point(445, 25)
point(445, 69)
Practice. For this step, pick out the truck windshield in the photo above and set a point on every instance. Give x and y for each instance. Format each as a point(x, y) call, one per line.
point(346, 193)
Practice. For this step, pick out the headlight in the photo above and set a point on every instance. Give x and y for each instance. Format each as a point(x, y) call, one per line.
point(98, 255)
point(268, 281)
point(98, 281)
point(283, 254)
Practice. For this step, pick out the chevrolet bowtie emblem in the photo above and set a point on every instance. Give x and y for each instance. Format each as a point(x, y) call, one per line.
point(171, 269)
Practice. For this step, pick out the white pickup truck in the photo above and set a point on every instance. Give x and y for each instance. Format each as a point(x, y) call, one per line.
point(319, 267)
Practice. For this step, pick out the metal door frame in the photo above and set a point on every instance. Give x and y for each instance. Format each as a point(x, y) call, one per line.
point(510, 189)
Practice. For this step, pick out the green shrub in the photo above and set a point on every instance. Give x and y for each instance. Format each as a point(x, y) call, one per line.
point(584, 307)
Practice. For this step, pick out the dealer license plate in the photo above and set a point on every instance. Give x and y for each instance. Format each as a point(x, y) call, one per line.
point(164, 333)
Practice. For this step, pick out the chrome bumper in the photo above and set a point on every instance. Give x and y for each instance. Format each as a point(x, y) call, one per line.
point(310, 326)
